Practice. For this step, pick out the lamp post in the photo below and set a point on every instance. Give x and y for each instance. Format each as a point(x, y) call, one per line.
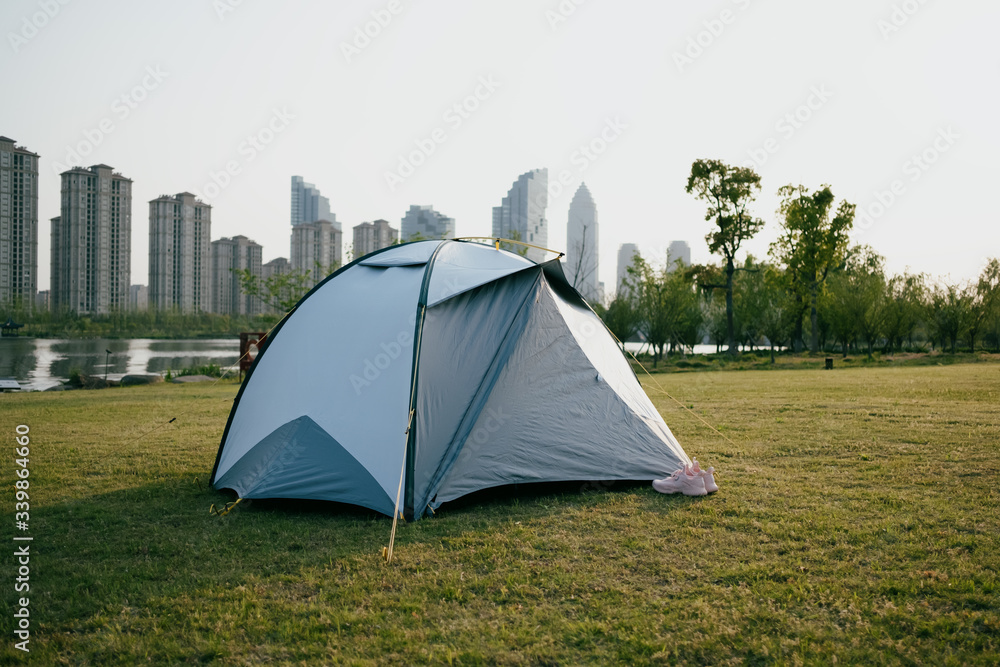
point(107, 356)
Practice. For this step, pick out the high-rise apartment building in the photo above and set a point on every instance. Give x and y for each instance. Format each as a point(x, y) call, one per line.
point(581, 245)
point(626, 253)
point(229, 255)
point(372, 236)
point(521, 214)
point(18, 225)
point(92, 242)
point(678, 250)
point(423, 222)
point(138, 297)
point(316, 248)
point(276, 267)
point(308, 205)
point(180, 257)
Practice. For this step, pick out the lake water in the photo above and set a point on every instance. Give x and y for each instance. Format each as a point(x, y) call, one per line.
point(40, 363)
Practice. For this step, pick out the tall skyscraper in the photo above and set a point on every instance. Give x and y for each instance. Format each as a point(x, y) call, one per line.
point(308, 205)
point(423, 222)
point(678, 250)
point(18, 225)
point(521, 214)
point(316, 248)
point(228, 255)
point(372, 236)
point(626, 252)
point(180, 255)
point(581, 245)
point(92, 242)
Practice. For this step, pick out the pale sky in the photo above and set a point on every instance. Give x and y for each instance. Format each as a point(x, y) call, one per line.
point(891, 102)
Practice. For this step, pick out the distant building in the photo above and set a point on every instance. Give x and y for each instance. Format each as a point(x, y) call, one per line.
point(372, 236)
point(276, 267)
point(308, 205)
point(92, 242)
point(521, 214)
point(138, 297)
point(626, 253)
point(678, 250)
point(423, 222)
point(42, 301)
point(180, 256)
point(581, 245)
point(18, 225)
point(316, 248)
point(229, 255)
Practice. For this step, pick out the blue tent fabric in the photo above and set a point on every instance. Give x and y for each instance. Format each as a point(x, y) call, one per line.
point(456, 365)
point(301, 460)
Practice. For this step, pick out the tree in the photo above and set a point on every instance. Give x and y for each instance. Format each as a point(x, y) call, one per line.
point(621, 317)
point(580, 272)
point(729, 191)
point(855, 306)
point(280, 291)
point(989, 291)
point(765, 307)
point(949, 306)
point(516, 248)
point(812, 243)
point(667, 306)
point(903, 309)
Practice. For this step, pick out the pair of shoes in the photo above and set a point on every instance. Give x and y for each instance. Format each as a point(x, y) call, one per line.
point(690, 480)
point(707, 475)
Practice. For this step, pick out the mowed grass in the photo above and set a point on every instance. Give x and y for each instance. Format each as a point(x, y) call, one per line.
point(857, 523)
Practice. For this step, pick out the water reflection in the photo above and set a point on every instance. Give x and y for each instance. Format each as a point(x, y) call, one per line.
point(40, 363)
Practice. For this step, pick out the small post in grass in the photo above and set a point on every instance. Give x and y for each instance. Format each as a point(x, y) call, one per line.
point(829, 363)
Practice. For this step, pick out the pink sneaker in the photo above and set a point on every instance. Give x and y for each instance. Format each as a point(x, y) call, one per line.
point(681, 482)
point(707, 475)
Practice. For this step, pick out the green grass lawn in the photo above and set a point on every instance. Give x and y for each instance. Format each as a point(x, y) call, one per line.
point(857, 523)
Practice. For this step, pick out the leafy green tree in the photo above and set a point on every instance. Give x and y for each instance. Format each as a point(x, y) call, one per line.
point(989, 291)
point(856, 304)
point(280, 291)
point(667, 306)
point(767, 307)
point(949, 308)
point(729, 191)
point(621, 316)
point(811, 244)
point(903, 309)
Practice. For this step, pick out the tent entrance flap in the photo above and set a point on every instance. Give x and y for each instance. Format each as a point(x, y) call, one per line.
point(301, 460)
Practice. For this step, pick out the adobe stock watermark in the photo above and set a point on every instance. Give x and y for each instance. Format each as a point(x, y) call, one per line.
point(583, 157)
point(365, 34)
point(248, 150)
point(121, 108)
point(788, 125)
point(33, 24)
point(913, 170)
point(224, 7)
point(561, 12)
point(899, 16)
point(712, 30)
point(454, 117)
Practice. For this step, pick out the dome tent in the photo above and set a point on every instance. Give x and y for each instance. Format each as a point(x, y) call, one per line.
point(429, 370)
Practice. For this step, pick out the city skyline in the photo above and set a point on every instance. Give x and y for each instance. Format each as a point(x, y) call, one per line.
point(899, 124)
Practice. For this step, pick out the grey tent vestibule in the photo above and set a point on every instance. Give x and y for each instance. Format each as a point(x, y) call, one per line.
point(434, 369)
